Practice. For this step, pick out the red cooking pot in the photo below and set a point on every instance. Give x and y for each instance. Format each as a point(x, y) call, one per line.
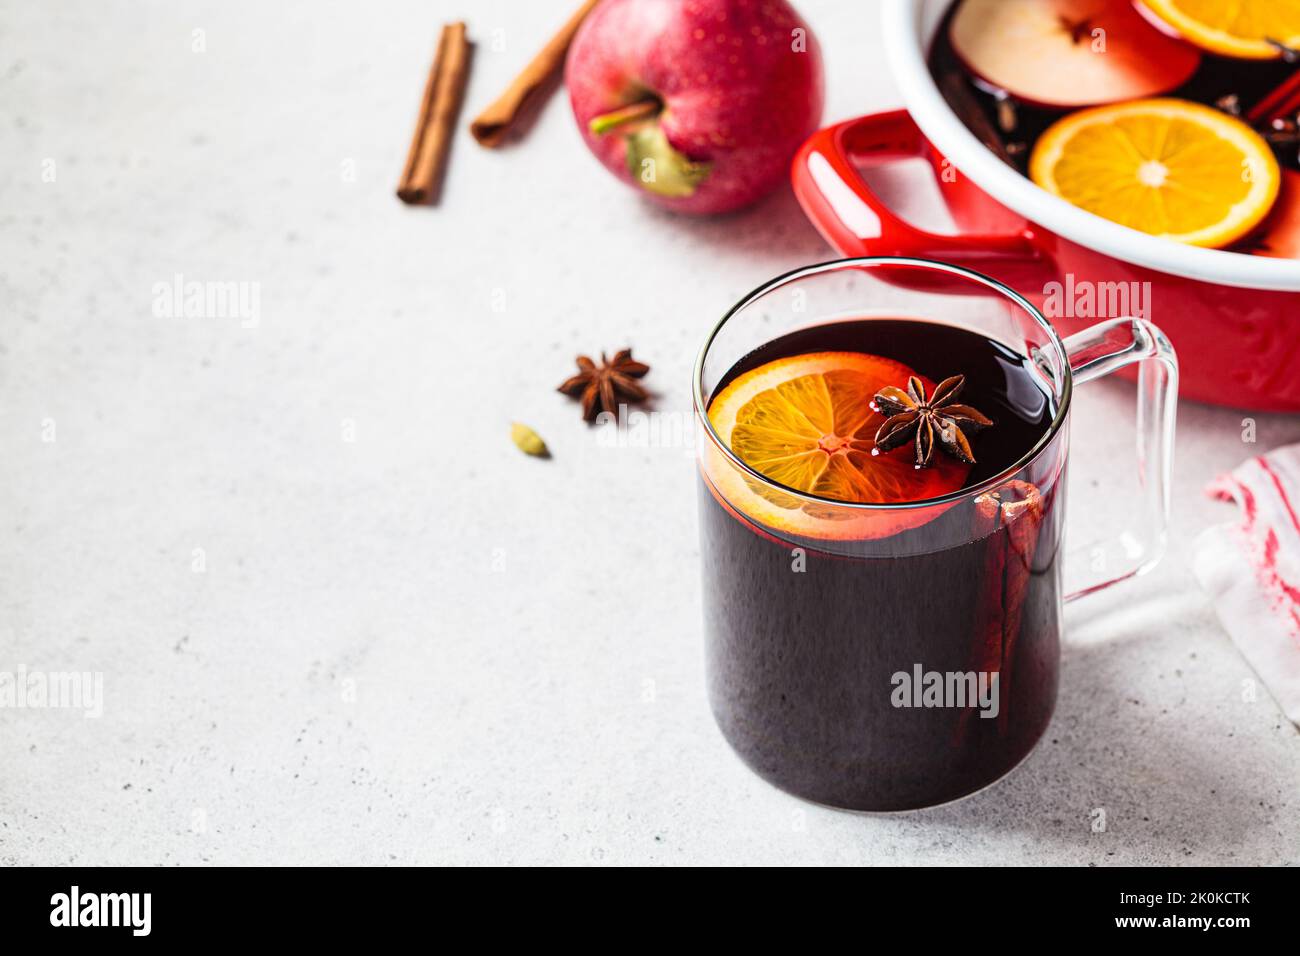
point(1234, 318)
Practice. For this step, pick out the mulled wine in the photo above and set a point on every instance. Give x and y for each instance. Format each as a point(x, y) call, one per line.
point(883, 635)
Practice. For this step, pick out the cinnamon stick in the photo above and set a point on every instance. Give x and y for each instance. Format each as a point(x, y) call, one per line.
point(526, 93)
point(421, 180)
point(1280, 103)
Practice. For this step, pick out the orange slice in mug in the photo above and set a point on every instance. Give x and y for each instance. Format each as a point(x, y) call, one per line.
point(806, 423)
point(1166, 167)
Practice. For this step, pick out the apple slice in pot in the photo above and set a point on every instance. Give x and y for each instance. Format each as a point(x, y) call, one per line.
point(1061, 54)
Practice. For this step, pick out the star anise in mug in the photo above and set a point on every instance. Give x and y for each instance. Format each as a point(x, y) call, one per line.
point(937, 418)
point(601, 386)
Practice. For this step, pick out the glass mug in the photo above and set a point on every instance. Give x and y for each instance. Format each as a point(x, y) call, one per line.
point(895, 656)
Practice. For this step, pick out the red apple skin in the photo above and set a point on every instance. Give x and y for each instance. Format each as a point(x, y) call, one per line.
point(736, 93)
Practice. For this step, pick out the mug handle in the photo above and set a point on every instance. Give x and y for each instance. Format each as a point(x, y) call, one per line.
point(857, 222)
point(1097, 352)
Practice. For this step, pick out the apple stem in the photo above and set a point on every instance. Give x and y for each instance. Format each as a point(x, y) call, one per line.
point(642, 109)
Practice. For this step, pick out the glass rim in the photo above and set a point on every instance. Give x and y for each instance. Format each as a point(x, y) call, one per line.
point(832, 265)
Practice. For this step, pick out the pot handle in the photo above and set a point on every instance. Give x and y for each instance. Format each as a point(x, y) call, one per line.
point(854, 220)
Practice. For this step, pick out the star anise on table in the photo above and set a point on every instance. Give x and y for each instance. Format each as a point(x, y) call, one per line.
point(913, 415)
point(601, 386)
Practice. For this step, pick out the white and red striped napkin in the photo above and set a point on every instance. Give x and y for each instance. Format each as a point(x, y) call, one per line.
point(1251, 569)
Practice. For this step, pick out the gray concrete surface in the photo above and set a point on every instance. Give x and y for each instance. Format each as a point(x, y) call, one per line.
point(338, 616)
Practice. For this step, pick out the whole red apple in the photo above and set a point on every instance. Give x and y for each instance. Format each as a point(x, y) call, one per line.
point(698, 104)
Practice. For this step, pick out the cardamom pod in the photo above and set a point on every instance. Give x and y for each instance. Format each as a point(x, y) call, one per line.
point(528, 441)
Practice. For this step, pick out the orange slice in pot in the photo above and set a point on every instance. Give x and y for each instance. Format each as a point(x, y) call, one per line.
point(1279, 236)
point(1166, 167)
point(806, 423)
point(1237, 28)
